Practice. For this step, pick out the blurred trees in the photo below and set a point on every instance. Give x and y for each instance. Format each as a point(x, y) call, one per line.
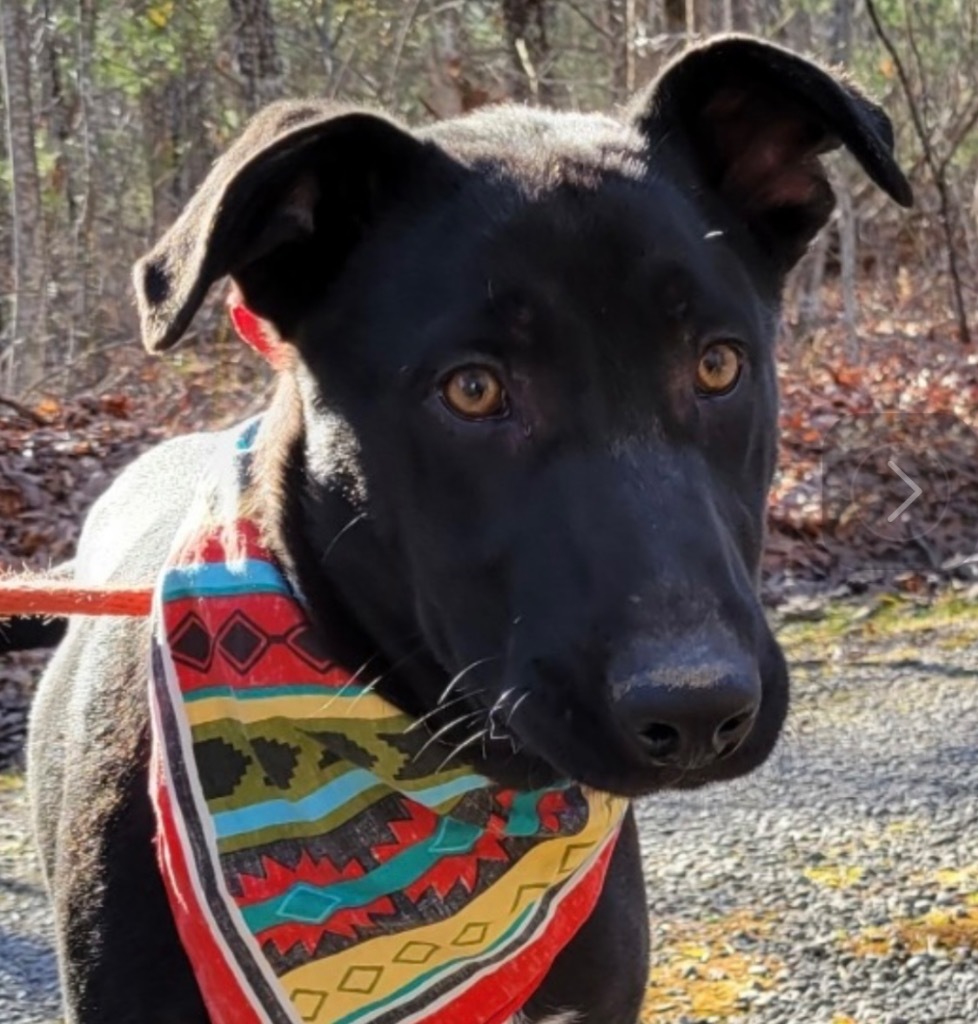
point(26, 217)
point(112, 110)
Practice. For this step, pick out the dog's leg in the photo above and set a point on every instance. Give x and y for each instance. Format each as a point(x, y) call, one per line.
point(603, 972)
point(120, 958)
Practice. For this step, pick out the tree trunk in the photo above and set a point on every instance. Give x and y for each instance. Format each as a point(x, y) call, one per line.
point(526, 24)
point(621, 25)
point(739, 16)
point(847, 271)
point(674, 14)
point(84, 227)
point(57, 105)
point(28, 328)
point(255, 49)
point(840, 31)
point(698, 20)
point(840, 49)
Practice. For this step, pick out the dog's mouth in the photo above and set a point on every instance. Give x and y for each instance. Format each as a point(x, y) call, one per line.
point(485, 737)
point(531, 735)
point(514, 758)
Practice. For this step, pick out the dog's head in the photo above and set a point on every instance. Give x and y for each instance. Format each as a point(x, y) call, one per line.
point(534, 365)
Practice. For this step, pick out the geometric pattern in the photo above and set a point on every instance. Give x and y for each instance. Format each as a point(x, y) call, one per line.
point(526, 894)
point(360, 979)
point(415, 953)
point(473, 934)
point(242, 642)
point(222, 767)
point(279, 760)
point(191, 643)
point(307, 1002)
point(568, 858)
point(348, 869)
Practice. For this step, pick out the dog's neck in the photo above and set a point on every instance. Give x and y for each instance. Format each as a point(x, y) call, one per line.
point(315, 525)
point(351, 580)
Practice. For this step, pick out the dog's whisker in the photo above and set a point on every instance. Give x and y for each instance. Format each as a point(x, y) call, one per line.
point(457, 699)
point(474, 738)
point(350, 682)
point(378, 679)
point(369, 688)
point(349, 526)
point(497, 731)
point(457, 678)
point(501, 701)
point(441, 732)
point(363, 668)
point(516, 707)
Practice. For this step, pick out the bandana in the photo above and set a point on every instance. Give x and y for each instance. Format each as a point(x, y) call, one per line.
point(322, 861)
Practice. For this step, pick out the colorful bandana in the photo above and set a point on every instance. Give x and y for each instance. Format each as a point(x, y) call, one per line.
point(322, 863)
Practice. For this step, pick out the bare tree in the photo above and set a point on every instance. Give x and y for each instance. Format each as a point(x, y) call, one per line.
point(840, 31)
point(113, 111)
point(255, 48)
point(621, 28)
point(699, 20)
point(674, 15)
point(840, 48)
point(527, 28)
point(57, 107)
point(174, 107)
point(937, 164)
point(27, 334)
point(83, 235)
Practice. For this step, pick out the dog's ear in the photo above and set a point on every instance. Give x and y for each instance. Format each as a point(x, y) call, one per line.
point(280, 213)
point(753, 119)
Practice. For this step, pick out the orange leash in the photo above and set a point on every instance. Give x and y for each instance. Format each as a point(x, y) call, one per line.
point(35, 595)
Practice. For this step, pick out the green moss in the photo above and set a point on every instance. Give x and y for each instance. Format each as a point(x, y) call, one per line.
point(949, 622)
point(11, 782)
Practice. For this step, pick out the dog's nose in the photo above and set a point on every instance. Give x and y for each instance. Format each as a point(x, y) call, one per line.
point(688, 716)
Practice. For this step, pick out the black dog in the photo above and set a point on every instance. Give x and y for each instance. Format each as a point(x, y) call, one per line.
point(528, 427)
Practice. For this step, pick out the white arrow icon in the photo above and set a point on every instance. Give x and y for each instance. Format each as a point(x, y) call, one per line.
point(917, 491)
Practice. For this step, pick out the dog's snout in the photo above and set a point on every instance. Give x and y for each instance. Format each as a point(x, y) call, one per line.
point(688, 716)
point(733, 731)
point(690, 727)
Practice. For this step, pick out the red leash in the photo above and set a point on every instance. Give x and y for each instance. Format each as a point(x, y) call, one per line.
point(38, 595)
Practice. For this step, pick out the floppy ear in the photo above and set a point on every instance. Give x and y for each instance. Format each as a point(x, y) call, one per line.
point(753, 119)
point(279, 212)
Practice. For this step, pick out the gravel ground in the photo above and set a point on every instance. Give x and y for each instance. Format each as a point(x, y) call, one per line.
point(28, 975)
point(839, 885)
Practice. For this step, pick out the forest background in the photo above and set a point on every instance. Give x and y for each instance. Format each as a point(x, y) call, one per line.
point(113, 110)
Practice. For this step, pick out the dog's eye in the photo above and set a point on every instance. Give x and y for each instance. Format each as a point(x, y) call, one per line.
point(474, 392)
point(719, 369)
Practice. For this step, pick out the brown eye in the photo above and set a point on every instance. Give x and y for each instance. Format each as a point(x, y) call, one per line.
point(719, 369)
point(474, 392)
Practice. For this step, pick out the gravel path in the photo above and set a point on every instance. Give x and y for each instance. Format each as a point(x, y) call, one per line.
point(28, 976)
point(837, 886)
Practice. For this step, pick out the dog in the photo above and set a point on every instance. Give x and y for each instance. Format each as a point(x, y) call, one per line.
point(521, 443)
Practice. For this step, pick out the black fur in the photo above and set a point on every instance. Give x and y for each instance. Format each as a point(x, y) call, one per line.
point(28, 634)
point(594, 552)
